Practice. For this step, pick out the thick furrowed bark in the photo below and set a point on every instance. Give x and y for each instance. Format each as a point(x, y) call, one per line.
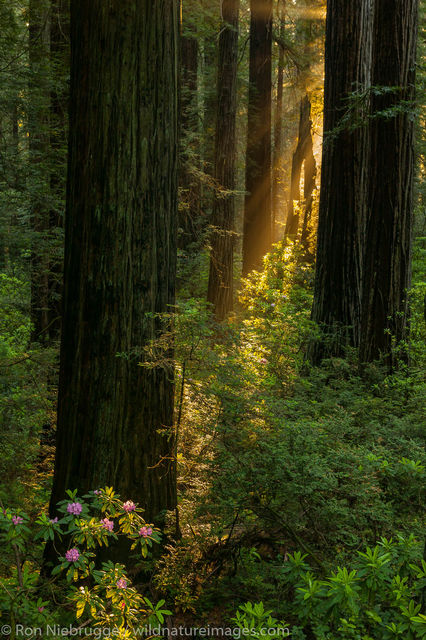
point(115, 418)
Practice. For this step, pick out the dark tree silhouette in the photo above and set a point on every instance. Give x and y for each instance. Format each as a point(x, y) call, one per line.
point(391, 170)
point(220, 288)
point(343, 197)
point(114, 416)
point(257, 210)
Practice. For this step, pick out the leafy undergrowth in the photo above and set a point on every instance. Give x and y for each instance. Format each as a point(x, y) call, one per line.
point(276, 460)
point(278, 457)
point(78, 587)
point(27, 402)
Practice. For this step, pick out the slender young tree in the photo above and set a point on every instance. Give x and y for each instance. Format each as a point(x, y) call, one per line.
point(209, 45)
point(220, 287)
point(190, 210)
point(309, 184)
point(58, 131)
point(257, 232)
point(391, 169)
point(343, 197)
point(277, 172)
point(38, 184)
point(114, 416)
point(303, 158)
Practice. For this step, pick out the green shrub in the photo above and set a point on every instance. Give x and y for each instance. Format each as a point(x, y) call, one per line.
point(379, 597)
point(104, 595)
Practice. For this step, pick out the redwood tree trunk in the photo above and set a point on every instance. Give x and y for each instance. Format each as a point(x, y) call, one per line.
point(343, 198)
point(115, 417)
point(257, 210)
point(391, 168)
point(220, 288)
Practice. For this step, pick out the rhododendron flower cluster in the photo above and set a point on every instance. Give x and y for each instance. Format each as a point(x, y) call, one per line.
point(75, 508)
point(107, 524)
point(82, 527)
point(122, 583)
point(72, 555)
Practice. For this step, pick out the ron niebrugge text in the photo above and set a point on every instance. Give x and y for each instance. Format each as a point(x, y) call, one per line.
point(147, 631)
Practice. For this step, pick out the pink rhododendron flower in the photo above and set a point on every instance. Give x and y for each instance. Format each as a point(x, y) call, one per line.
point(129, 506)
point(17, 520)
point(145, 531)
point(75, 508)
point(72, 555)
point(97, 492)
point(40, 609)
point(263, 361)
point(122, 583)
point(107, 524)
point(53, 520)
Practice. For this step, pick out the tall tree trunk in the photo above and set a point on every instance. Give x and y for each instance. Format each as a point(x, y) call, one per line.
point(220, 288)
point(16, 161)
point(15, 140)
point(115, 417)
point(38, 121)
point(59, 60)
point(189, 183)
point(391, 167)
point(277, 175)
point(302, 154)
point(257, 209)
point(310, 174)
point(209, 95)
point(343, 198)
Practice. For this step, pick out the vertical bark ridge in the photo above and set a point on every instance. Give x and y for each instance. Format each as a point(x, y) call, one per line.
point(389, 225)
point(114, 416)
point(343, 197)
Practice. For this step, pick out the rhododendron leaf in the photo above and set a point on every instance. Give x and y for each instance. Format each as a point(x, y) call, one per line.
point(80, 608)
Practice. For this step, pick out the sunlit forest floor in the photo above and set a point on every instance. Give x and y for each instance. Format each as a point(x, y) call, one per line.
point(275, 458)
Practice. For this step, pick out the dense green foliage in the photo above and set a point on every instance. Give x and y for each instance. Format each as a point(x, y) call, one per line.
point(86, 525)
point(285, 456)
